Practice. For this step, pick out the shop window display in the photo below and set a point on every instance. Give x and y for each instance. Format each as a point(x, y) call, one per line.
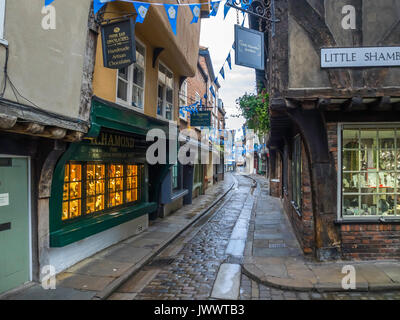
point(370, 172)
point(91, 188)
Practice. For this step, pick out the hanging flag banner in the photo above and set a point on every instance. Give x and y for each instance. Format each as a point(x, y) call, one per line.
point(196, 12)
point(214, 7)
point(141, 10)
point(212, 91)
point(48, 2)
point(226, 7)
point(119, 48)
point(222, 72)
point(172, 13)
point(228, 59)
point(250, 48)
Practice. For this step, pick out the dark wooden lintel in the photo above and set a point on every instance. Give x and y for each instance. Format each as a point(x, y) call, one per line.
point(353, 104)
point(381, 104)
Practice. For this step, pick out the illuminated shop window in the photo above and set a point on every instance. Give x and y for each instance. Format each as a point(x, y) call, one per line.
point(95, 187)
point(370, 172)
point(72, 193)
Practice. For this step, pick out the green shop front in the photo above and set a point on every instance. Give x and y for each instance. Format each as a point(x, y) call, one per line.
point(100, 191)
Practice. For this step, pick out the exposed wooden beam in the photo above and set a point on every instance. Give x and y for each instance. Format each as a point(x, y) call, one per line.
point(7, 121)
point(382, 104)
point(353, 104)
point(323, 103)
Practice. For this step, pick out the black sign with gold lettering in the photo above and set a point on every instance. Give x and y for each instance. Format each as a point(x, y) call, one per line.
point(119, 48)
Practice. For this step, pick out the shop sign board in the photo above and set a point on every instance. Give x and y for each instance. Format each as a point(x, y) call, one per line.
point(249, 51)
point(200, 119)
point(361, 57)
point(119, 46)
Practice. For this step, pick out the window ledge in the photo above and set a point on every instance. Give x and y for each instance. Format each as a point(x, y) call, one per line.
point(4, 42)
point(85, 228)
point(368, 221)
point(177, 194)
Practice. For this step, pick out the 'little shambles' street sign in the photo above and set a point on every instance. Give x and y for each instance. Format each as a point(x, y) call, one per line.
point(119, 48)
point(360, 57)
point(249, 51)
point(200, 119)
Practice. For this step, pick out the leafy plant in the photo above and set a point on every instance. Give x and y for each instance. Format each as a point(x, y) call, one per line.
point(254, 108)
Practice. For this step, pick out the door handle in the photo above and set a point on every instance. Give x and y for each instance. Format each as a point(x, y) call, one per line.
point(5, 226)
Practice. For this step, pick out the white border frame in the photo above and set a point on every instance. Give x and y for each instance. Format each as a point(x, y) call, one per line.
point(126, 104)
point(340, 125)
point(28, 158)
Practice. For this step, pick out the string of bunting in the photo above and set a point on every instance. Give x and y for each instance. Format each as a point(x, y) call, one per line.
point(170, 9)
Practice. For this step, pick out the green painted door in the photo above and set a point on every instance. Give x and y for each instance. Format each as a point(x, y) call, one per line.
point(14, 223)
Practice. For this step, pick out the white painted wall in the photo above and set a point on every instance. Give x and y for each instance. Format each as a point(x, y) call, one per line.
point(65, 257)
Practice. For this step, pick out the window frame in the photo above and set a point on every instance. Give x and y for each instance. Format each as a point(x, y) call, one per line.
point(2, 21)
point(359, 126)
point(166, 87)
point(183, 95)
point(107, 209)
point(130, 83)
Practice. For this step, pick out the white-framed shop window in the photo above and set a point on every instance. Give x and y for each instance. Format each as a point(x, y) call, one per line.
point(183, 100)
point(131, 81)
point(2, 18)
point(165, 103)
point(369, 171)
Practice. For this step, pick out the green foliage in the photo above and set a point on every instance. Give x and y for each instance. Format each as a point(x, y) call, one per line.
point(254, 108)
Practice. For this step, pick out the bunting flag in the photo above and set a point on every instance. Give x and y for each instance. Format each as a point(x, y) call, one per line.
point(212, 91)
point(226, 7)
point(228, 59)
point(172, 13)
point(48, 2)
point(214, 7)
point(222, 72)
point(196, 12)
point(141, 10)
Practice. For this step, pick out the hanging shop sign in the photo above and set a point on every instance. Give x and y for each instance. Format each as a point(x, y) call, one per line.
point(119, 49)
point(201, 119)
point(360, 57)
point(249, 48)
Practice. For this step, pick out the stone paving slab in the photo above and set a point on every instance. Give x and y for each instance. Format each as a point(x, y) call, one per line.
point(285, 267)
point(97, 277)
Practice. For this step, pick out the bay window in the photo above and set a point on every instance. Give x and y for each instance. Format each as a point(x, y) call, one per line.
point(91, 188)
point(370, 171)
point(130, 86)
point(165, 104)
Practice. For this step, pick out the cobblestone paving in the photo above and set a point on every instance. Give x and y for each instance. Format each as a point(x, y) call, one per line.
point(193, 271)
point(190, 272)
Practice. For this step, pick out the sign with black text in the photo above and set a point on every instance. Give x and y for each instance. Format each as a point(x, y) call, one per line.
point(119, 48)
point(200, 119)
point(249, 51)
point(360, 57)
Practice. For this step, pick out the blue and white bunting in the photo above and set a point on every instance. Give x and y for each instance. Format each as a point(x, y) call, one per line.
point(228, 59)
point(98, 4)
point(172, 13)
point(212, 91)
point(48, 2)
point(196, 12)
point(214, 8)
point(141, 10)
point(222, 72)
point(226, 7)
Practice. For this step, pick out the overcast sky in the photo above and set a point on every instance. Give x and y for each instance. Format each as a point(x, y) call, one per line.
point(218, 35)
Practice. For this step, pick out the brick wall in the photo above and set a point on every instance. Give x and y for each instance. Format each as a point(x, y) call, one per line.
point(370, 241)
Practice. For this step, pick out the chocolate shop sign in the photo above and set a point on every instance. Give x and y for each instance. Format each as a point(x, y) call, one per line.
point(360, 57)
point(119, 48)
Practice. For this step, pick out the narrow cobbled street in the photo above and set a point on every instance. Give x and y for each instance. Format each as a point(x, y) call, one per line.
point(189, 267)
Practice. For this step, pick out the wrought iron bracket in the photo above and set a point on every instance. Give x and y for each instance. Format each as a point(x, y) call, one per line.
point(262, 9)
